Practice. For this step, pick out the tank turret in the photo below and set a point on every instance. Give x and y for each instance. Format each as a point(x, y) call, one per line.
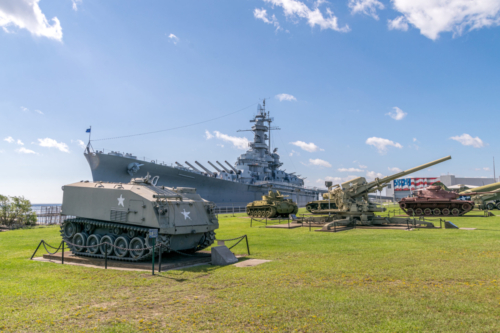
point(123, 214)
point(272, 205)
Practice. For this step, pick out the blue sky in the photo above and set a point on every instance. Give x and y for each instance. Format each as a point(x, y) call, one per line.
point(369, 85)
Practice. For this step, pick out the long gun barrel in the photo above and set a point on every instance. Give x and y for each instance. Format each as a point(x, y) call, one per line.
point(219, 163)
point(485, 188)
point(380, 183)
point(235, 171)
point(213, 166)
point(206, 170)
point(192, 167)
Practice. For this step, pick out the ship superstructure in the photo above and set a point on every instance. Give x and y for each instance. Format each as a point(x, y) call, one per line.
point(251, 176)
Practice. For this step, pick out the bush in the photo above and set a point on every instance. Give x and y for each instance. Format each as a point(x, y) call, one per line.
point(16, 211)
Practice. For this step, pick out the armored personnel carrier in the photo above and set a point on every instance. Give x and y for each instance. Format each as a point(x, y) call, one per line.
point(123, 214)
point(272, 205)
point(433, 200)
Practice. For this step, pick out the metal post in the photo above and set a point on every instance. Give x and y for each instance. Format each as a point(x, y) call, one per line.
point(106, 256)
point(309, 225)
point(36, 249)
point(248, 247)
point(153, 267)
point(159, 260)
point(62, 258)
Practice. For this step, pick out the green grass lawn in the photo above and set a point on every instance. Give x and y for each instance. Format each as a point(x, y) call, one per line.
point(353, 281)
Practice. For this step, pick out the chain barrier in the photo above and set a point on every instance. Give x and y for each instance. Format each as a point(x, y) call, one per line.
point(239, 240)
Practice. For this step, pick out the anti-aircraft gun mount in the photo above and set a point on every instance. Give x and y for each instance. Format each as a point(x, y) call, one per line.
point(353, 206)
point(484, 197)
point(122, 215)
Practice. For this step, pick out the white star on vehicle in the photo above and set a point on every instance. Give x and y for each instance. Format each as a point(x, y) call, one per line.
point(120, 200)
point(186, 214)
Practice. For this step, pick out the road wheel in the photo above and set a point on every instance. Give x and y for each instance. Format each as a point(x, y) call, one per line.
point(419, 212)
point(80, 239)
point(71, 229)
point(410, 212)
point(490, 206)
point(109, 240)
point(498, 205)
point(446, 211)
point(136, 247)
point(455, 212)
point(122, 242)
point(94, 241)
point(427, 211)
point(466, 206)
point(436, 211)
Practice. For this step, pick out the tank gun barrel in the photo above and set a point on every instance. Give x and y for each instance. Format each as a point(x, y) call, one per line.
point(206, 170)
point(485, 188)
point(213, 166)
point(380, 183)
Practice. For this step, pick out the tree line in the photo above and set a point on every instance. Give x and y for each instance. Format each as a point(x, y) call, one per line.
point(16, 211)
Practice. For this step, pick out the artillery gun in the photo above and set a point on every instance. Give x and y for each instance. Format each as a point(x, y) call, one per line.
point(122, 214)
point(485, 197)
point(352, 203)
point(272, 205)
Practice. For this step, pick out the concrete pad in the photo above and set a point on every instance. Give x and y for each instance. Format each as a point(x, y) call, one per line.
point(251, 262)
point(285, 226)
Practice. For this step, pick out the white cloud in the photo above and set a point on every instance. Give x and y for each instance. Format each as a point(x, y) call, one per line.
point(81, 144)
point(399, 23)
point(23, 150)
point(24, 109)
point(433, 17)
point(368, 7)
point(294, 153)
point(397, 114)
point(38, 111)
point(371, 175)
point(208, 135)
point(9, 139)
point(26, 14)
point(310, 147)
point(480, 169)
point(414, 139)
point(261, 14)
point(19, 142)
point(75, 4)
point(468, 140)
point(319, 162)
point(51, 143)
point(394, 169)
point(363, 166)
point(296, 9)
point(174, 38)
point(382, 144)
point(350, 170)
point(240, 143)
point(285, 97)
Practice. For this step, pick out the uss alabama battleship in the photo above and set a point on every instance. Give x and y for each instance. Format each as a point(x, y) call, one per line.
point(253, 175)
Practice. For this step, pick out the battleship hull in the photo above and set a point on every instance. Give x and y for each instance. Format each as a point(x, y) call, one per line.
point(224, 193)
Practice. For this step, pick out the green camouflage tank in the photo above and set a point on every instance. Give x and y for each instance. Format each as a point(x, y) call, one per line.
point(272, 205)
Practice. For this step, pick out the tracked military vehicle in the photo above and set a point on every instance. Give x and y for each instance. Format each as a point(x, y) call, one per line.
point(272, 205)
point(485, 197)
point(316, 207)
point(122, 215)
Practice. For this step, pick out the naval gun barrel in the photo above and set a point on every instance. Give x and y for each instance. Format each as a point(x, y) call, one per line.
point(192, 167)
point(235, 171)
point(213, 166)
point(223, 167)
point(484, 188)
point(179, 164)
point(206, 170)
point(380, 183)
